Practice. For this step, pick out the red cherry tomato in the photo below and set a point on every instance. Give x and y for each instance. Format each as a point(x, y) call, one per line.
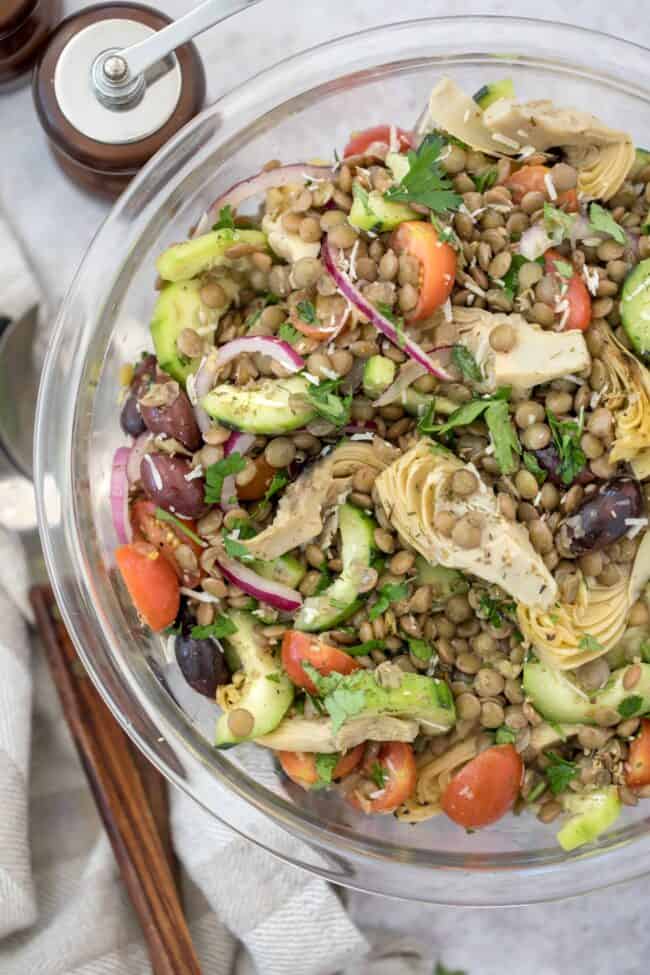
point(637, 768)
point(301, 766)
point(437, 265)
point(577, 296)
point(397, 763)
point(485, 789)
point(360, 141)
point(298, 648)
point(322, 332)
point(257, 487)
point(167, 537)
point(531, 179)
point(151, 582)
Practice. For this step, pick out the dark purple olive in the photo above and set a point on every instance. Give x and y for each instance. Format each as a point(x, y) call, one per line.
point(549, 459)
point(145, 373)
point(202, 664)
point(130, 419)
point(164, 480)
point(602, 518)
point(176, 420)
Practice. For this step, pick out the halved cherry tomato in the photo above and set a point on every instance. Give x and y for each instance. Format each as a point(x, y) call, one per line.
point(167, 537)
point(299, 647)
point(256, 488)
point(360, 141)
point(323, 331)
point(577, 296)
point(532, 179)
point(301, 766)
point(151, 582)
point(637, 767)
point(485, 789)
point(397, 762)
point(438, 265)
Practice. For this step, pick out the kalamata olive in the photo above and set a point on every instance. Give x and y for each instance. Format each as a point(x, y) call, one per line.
point(130, 418)
point(602, 518)
point(202, 664)
point(176, 420)
point(549, 459)
point(164, 480)
point(145, 372)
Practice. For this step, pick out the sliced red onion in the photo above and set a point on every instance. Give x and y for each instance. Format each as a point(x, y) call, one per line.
point(239, 443)
point(534, 242)
point(382, 324)
point(409, 372)
point(258, 184)
point(272, 593)
point(361, 426)
point(199, 385)
point(120, 496)
point(136, 453)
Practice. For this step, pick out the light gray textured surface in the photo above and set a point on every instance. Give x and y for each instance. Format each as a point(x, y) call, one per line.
point(601, 934)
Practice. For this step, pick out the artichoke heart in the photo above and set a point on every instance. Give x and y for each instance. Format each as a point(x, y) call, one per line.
point(627, 395)
point(417, 487)
point(602, 156)
point(568, 635)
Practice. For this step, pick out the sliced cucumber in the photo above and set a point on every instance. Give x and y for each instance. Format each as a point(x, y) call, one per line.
point(635, 308)
point(444, 582)
point(272, 406)
point(370, 211)
point(340, 600)
point(193, 257)
point(286, 570)
point(558, 698)
point(489, 94)
point(378, 374)
point(266, 693)
point(417, 403)
point(178, 307)
point(592, 814)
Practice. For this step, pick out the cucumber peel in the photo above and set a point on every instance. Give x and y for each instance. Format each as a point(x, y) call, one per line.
point(181, 262)
point(270, 407)
point(558, 698)
point(593, 813)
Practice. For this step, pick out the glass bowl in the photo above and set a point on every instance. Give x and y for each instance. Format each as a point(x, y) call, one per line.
point(301, 108)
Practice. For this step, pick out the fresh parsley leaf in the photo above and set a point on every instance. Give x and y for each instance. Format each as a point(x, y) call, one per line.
point(288, 333)
point(360, 649)
point(505, 735)
point(225, 220)
point(511, 277)
point(566, 437)
point(497, 612)
point(421, 649)
point(216, 474)
point(559, 773)
point(485, 180)
point(323, 397)
point(342, 696)
point(589, 642)
point(557, 223)
point(532, 464)
point(222, 626)
point(426, 182)
point(378, 774)
point(630, 706)
point(325, 765)
point(463, 359)
point(236, 550)
point(390, 593)
point(464, 415)
point(536, 792)
point(163, 515)
point(446, 233)
point(602, 220)
point(564, 269)
point(395, 320)
point(279, 482)
point(503, 436)
point(306, 312)
point(274, 678)
point(174, 630)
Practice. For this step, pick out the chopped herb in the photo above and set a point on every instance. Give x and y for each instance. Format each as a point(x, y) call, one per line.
point(280, 481)
point(236, 550)
point(421, 649)
point(327, 404)
point(395, 320)
point(325, 579)
point(288, 333)
point(378, 774)
point(564, 269)
point(536, 792)
point(163, 515)
point(360, 649)
point(511, 277)
point(426, 182)
point(390, 593)
point(225, 220)
point(505, 736)
point(558, 224)
point(174, 630)
point(557, 728)
point(325, 765)
point(602, 220)
point(244, 527)
point(497, 612)
point(216, 474)
point(532, 464)
point(566, 437)
point(340, 695)
point(221, 627)
point(274, 678)
point(463, 359)
point(486, 180)
point(464, 415)
point(644, 651)
point(503, 436)
point(440, 968)
point(590, 643)
point(559, 773)
point(446, 233)
point(306, 312)
point(630, 706)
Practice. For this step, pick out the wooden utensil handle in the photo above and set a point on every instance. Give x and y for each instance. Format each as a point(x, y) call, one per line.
point(113, 775)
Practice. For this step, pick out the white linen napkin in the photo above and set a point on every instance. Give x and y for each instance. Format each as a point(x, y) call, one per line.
point(63, 909)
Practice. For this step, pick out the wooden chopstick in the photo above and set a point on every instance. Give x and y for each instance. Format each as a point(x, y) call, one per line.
point(138, 830)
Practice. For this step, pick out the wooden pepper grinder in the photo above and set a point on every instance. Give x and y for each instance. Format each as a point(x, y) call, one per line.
point(115, 82)
point(24, 28)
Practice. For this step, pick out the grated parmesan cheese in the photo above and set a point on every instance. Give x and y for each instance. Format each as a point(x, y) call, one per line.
point(550, 186)
point(505, 140)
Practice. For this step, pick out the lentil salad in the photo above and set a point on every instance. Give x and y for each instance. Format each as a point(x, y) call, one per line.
point(387, 484)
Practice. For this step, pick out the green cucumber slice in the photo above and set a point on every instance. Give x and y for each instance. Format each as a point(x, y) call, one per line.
point(557, 697)
point(193, 257)
point(444, 582)
point(489, 94)
point(286, 570)
point(593, 813)
point(370, 211)
point(272, 406)
point(378, 374)
point(635, 308)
